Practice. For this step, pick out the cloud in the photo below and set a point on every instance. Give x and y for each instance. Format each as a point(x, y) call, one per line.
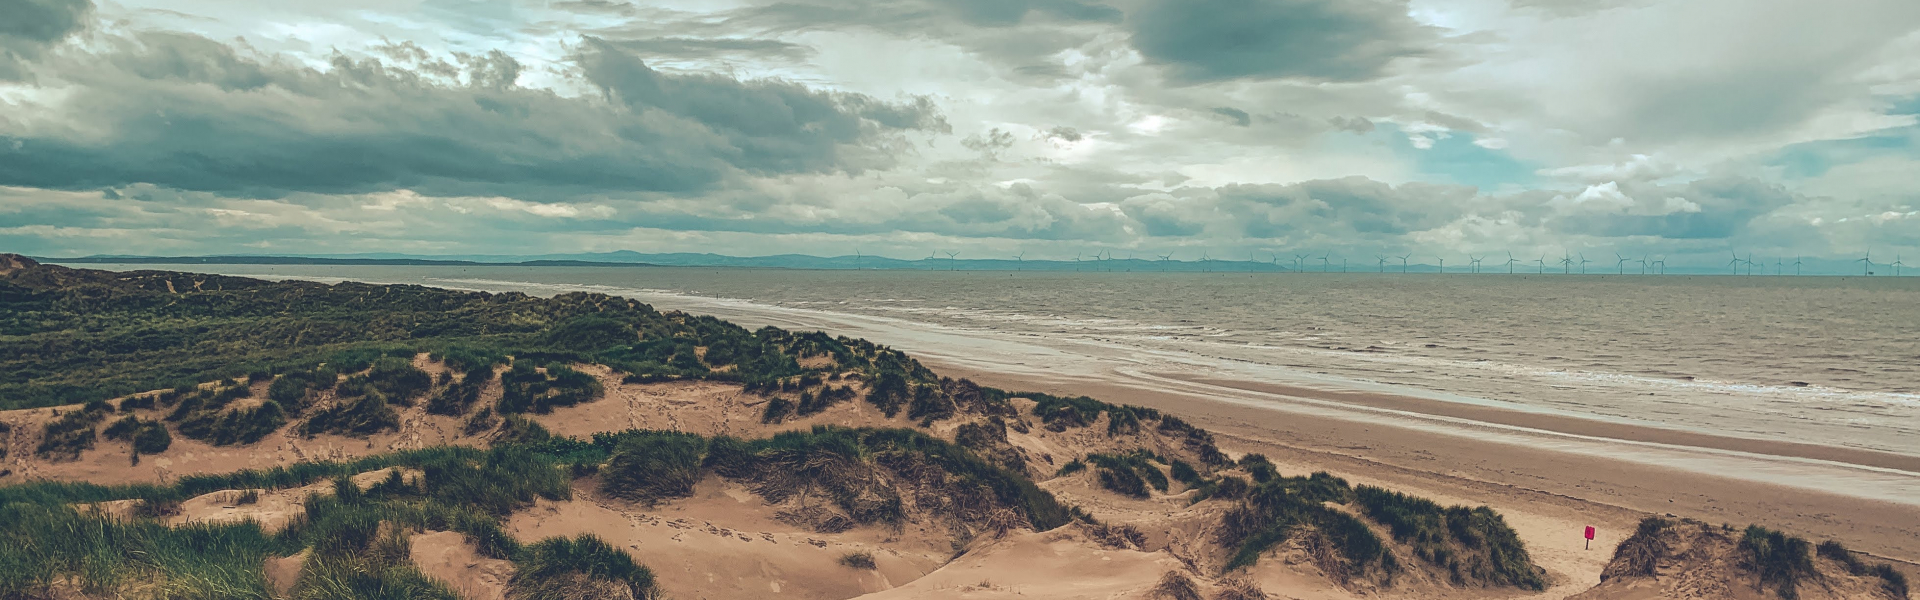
point(1021, 36)
point(1062, 134)
point(190, 113)
point(1237, 116)
point(1200, 41)
point(1716, 208)
point(989, 144)
point(1358, 125)
point(686, 48)
point(32, 26)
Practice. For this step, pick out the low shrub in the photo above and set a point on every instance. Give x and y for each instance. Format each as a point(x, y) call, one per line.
point(1474, 544)
point(1778, 559)
point(237, 426)
point(1175, 586)
point(148, 437)
point(360, 417)
point(654, 465)
point(72, 432)
point(526, 389)
point(858, 560)
point(581, 568)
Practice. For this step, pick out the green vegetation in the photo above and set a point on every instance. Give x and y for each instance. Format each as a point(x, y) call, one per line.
point(527, 389)
point(654, 465)
point(357, 538)
point(840, 464)
point(1284, 507)
point(72, 432)
point(148, 437)
point(1640, 554)
point(1129, 474)
point(1475, 545)
point(363, 416)
point(1893, 582)
point(1779, 559)
point(579, 568)
point(73, 335)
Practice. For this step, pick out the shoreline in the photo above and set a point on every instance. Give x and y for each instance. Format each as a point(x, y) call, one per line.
point(1569, 487)
point(1575, 425)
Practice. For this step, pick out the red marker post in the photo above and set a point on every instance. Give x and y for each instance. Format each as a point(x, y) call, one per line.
point(1589, 537)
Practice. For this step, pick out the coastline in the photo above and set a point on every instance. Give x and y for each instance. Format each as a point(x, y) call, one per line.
point(1560, 489)
point(1575, 425)
point(1567, 471)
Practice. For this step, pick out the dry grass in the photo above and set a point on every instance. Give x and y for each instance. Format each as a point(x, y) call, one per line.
point(1239, 589)
point(858, 560)
point(1175, 586)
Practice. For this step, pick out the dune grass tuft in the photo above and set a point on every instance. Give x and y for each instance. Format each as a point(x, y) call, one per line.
point(1780, 560)
point(1175, 586)
point(858, 560)
point(579, 568)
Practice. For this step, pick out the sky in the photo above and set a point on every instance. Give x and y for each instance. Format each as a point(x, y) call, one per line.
point(1047, 128)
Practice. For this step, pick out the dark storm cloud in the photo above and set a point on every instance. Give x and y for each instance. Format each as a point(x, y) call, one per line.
point(29, 27)
point(1324, 40)
point(186, 112)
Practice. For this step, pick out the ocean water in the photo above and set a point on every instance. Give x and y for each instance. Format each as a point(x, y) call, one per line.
point(1825, 360)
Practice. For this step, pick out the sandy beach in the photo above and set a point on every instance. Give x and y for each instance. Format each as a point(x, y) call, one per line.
point(1549, 495)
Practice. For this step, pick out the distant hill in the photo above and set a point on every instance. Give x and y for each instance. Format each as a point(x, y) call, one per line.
point(628, 258)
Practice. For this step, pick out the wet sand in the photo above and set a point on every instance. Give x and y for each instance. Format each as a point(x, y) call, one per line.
point(1575, 426)
point(1566, 487)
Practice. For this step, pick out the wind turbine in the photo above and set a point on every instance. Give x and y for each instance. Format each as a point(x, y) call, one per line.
point(1897, 264)
point(1403, 263)
point(1300, 262)
point(856, 259)
point(1622, 265)
point(1583, 263)
point(1203, 262)
point(1326, 262)
point(930, 256)
point(1866, 266)
point(1735, 263)
point(1383, 262)
point(1643, 263)
point(1020, 261)
point(1566, 263)
point(1443, 264)
point(953, 262)
point(1796, 266)
point(1540, 265)
point(1475, 262)
point(1750, 264)
point(1510, 261)
point(1164, 258)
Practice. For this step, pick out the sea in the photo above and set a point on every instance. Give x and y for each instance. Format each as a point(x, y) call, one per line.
point(1821, 360)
